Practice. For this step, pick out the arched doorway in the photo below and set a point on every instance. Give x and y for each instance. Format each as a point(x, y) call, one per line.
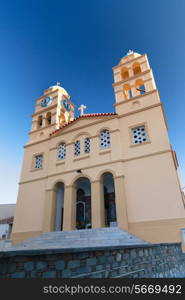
point(59, 206)
point(109, 200)
point(83, 203)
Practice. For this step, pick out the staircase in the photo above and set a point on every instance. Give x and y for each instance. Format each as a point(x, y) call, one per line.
point(5, 244)
point(84, 238)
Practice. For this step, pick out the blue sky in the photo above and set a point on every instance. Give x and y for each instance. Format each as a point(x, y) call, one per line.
point(77, 42)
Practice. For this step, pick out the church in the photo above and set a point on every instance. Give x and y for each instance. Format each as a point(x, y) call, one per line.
point(102, 169)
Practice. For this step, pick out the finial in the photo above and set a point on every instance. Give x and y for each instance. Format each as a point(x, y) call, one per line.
point(81, 108)
point(58, 83)
point(130, 52)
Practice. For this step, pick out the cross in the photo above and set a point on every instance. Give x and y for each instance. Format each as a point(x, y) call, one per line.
point(58, 83)
point(81, 108)
point(130, 52)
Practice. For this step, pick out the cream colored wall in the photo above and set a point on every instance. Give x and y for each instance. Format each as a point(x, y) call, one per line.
point(152, 189)
point(28, 172)
point(136, 103)
point(154, 122)
point(120, 159)
point(30, 207)
point(146, 181)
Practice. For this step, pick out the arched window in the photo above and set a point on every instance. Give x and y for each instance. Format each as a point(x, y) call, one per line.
point(48, 118)
point(127, 91)
point(83, 203)
point(124, 73)
point(109, 200)
point(59, 204)
point(40, 121)
point(77, 148)
point(87, 145)
point(104, 139)
point(136, 68)
point(140, 87)
point(61, 151)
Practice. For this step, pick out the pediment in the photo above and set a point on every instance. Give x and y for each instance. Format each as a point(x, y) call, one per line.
point(83, 122)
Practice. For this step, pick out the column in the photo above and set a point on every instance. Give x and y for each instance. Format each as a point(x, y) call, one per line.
point(69, 217)
point(121, 205)
point(97, 204)
point(44, 123)
point(134, 91)
point(49, 211)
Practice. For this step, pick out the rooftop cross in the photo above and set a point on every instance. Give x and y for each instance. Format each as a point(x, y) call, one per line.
point(130, 52)
point(81, 108)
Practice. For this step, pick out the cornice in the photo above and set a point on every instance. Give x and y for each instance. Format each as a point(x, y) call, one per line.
point(132, 77)
point(135, 97)
point(99, 165)
point(44, 110)
point(128, 62)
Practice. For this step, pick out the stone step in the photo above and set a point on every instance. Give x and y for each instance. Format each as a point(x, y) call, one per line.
point(84, 238)
point(5, 244)
point(84, 242)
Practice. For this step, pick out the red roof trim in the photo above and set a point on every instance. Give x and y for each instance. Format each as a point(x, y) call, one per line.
point(83, 117)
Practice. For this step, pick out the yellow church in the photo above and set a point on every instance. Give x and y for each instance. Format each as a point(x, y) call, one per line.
point(99, 170)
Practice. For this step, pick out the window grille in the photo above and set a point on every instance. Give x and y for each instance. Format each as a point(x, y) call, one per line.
point(38, 161)
point(139, 135)
point(77, 148)
point(61, 151)
point(105, 139)
point(87, 145)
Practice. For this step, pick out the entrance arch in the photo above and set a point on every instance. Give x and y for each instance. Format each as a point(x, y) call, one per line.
point(59, 206)
point(83, 203)
point(109, 200)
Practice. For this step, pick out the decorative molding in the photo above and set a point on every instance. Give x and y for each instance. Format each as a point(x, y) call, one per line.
point(81, 157)
point(85, 125)
point(134, 98)
point(132, 87)
point(119, 176)
point(98, 165)
point(43, 96)
point(62, 162)
point(104, 151)
point(42, 128)
point(44, 110)
point(147, 155)
point(133, 77)
point(128, 67)
point(128, 62)
point(37, 142)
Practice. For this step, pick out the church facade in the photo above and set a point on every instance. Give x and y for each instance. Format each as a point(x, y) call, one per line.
point(103, 169)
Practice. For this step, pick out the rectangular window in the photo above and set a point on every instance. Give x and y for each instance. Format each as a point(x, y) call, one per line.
point(61, 151)
point(104, 139)
point(38, 163)
point(77, 148)
point(139, 135)
point(87, 145)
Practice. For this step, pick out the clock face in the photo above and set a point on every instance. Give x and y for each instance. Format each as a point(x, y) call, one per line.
point(46, 101)
point(66, 105)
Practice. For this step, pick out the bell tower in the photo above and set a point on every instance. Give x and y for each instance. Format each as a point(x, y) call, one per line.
point(52, 110)
point(134, 84)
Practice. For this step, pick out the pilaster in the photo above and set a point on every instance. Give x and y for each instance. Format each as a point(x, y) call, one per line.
point(69, 218)
point(97, 204)
point(121, 204)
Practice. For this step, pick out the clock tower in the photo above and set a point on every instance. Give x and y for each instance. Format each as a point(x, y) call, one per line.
point(52, 110)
